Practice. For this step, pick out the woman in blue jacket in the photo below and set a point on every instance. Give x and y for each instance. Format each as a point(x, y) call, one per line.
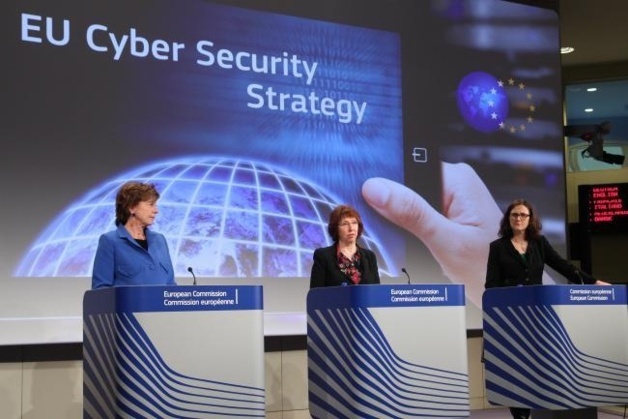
point(132, 254)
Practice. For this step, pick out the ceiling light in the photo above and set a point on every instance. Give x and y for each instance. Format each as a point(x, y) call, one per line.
point(588, 110)
point(567, 50)
point(592, 89)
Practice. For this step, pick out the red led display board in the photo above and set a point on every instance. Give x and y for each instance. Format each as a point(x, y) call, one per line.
point(604, 208)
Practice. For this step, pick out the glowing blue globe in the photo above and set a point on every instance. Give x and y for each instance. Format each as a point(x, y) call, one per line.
point(225, 217)
point(482, 101)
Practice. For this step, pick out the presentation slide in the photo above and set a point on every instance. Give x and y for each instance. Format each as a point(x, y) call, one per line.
point(254, 119)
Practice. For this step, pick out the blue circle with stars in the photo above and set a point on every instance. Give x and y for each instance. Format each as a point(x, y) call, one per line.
point(482, 101)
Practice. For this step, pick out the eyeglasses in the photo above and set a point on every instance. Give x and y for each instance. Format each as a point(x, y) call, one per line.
point(521, 215)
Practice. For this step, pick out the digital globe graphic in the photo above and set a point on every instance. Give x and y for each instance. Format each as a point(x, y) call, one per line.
point(482, 101)
point(225, 217)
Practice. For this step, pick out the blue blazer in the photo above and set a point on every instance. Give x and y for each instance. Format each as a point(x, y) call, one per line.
point(120, 260)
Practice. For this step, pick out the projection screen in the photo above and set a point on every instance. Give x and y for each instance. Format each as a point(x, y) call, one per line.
point(254, 119)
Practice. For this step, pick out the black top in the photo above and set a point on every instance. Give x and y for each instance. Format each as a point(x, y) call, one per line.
point(327, 273)
point(506, 266)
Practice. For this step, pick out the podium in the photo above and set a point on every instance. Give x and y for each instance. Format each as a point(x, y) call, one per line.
point(381, 351)
point(556, 347)
point(173, 351)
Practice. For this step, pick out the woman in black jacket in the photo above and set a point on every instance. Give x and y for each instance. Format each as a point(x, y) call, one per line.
point(519, 256)
point(344, 262)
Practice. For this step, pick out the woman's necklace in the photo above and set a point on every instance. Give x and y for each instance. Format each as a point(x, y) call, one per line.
point(137, 233)
point(521, 246)
point(348, 252)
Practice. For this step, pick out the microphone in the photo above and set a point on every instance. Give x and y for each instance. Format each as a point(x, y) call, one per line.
point(406, 272)
point(579, 276)
point(190, 270)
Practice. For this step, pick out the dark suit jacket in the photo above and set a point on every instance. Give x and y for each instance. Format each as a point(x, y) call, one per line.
point(506, 267)
point(326, 273)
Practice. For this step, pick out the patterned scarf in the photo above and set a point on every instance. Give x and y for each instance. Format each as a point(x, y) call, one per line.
point(349, 267)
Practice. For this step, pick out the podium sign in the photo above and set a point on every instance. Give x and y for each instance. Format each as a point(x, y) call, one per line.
point(171, 351)
point(556, 346)
point(387, 351)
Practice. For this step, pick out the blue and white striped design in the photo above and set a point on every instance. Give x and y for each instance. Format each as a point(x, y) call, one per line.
point(533, 357)
point(173, 352)
point(144, 385)
point(355, 368)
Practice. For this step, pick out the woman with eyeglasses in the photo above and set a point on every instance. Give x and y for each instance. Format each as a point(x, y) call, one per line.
point(344, 262)
point(519, 256)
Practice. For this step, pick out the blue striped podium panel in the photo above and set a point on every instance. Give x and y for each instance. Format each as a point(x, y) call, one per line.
point(556, 347)
point(387, 351)
point(173, 352)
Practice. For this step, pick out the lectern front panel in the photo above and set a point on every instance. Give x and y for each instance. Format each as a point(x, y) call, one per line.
point(183, 352)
